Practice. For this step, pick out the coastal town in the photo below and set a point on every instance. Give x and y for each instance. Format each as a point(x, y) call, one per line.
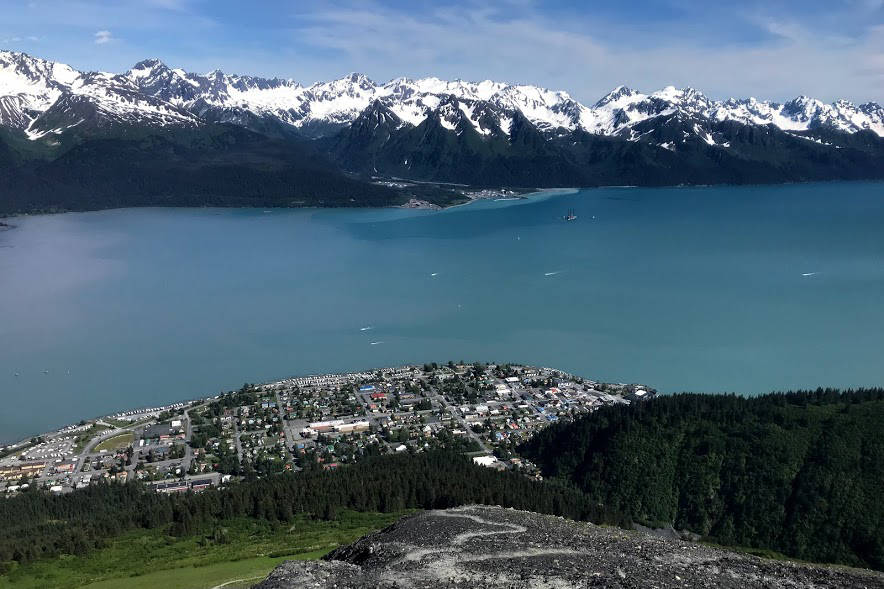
point(482, 410)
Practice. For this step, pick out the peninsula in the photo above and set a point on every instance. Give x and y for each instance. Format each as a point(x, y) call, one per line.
point(298, 467)
point(334, 419)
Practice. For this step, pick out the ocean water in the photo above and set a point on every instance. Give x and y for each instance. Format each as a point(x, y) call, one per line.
point(745, 289)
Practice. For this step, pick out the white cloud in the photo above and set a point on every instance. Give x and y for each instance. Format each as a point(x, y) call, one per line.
point(175, 5)
point(528, 47)
point(19, 39)
point(869, 5)
point(787, 30)
point(756, 47)
point(102, 37)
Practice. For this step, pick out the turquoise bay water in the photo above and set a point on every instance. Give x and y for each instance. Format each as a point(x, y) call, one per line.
point(682, 288)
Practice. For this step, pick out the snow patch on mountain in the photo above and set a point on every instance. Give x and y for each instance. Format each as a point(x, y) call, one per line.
point(41, 97)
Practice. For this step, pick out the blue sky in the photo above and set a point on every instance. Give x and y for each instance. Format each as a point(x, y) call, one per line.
point(778, 50)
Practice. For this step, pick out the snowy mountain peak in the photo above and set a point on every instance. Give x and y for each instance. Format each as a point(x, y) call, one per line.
point(360, 79)
point(684, 96)
point(42, 97)
point(803, 106)
point(614, 95)
point(149, 64)
point(21, 73)
point(153, 93)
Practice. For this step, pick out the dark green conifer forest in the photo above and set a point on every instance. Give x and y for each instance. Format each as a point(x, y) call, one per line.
point(799, 473)
point(35, 524)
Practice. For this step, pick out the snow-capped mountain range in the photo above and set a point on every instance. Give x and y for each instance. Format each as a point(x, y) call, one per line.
point(43, 98)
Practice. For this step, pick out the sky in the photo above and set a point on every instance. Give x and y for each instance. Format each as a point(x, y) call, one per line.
point(768, 49)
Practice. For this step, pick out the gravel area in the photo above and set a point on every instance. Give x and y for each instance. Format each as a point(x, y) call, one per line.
point(479, 546)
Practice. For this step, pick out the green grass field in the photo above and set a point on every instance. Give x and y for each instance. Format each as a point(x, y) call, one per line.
point(83, 439)
point(229, 575)
point(234, 554)
point(120, 441)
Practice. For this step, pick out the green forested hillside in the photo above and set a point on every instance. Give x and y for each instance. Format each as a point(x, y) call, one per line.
point(266, 165)
point(377, 143)
point(801, 473)
point(221, 165)
point(35, 525)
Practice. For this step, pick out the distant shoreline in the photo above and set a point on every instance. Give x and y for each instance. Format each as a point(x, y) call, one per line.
point(522, 196)
point(414, 203)
point(6, 446)
point(421, 204)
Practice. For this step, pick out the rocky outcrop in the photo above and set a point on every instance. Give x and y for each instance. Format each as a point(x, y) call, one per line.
point(479, 546)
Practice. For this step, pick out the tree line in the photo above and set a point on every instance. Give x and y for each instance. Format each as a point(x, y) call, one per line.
point(800, 473)
point(36, 525)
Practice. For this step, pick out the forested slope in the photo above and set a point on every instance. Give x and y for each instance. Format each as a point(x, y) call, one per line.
point(35, 524)
point(798, 473)
point(222, 165)
point(801, 473)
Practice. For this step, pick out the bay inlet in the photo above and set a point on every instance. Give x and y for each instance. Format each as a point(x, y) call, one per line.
point(718, 289)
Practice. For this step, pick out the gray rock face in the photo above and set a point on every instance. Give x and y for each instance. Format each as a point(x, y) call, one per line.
point(478, 546)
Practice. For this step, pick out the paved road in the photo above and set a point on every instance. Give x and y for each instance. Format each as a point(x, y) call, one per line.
point(188, 451)
point(81, 459)
point(236, 440)
point(288, 440)
point(456, 414)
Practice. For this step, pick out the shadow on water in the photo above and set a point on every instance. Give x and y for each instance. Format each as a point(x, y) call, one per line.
point(482, 218)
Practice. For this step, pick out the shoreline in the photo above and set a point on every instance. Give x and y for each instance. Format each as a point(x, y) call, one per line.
point(411, 204)
point(487, 211)
point(525, 196)
point(120, 415)
point(431, 206)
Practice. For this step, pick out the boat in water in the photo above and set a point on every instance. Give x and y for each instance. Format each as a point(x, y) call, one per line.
point(570, 216)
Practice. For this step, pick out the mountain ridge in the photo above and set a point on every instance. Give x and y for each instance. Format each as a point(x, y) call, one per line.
point(361, 134)
point(170, 96)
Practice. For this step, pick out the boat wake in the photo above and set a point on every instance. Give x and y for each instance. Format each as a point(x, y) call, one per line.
point(366, 328)
point(807, 274)
point(552, 273)
point(375, 343)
